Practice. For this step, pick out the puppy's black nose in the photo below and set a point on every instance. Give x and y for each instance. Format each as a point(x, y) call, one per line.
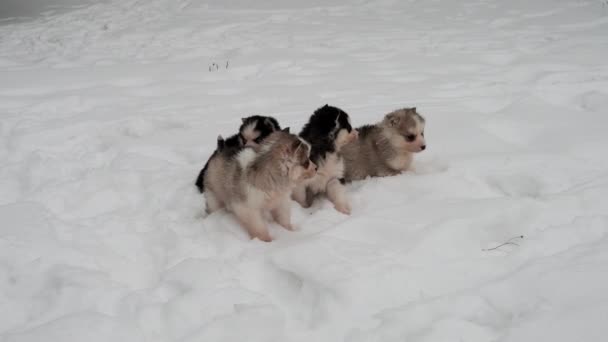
point(422, 147)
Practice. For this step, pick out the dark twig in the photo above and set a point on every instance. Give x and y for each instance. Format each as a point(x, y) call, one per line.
point(509, 242)
point(215, 67)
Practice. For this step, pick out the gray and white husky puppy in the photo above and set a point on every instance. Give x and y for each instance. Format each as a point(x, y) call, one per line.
point(386, 148)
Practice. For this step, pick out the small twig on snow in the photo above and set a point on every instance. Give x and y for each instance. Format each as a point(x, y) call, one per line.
point(509, 242)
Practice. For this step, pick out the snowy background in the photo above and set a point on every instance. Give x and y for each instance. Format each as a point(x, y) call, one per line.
point(109, 110)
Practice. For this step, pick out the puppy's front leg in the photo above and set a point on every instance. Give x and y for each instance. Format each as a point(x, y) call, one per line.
point(212, 203)
point(299, 195)
point(252, 220)
point(337, 195)
point(282, 213)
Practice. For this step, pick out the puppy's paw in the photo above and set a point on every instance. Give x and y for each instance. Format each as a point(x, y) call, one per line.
point(288, 226)
point(263, 237)
point(304, 204)
point(344, 208)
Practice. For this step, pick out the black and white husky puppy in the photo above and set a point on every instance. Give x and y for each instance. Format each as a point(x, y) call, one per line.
point(254, 129)
point(327, 131)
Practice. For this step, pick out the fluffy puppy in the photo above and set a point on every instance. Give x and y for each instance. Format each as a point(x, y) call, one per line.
point(327, 131)
point(386, 148)
point(254, 129)
point(251, 181)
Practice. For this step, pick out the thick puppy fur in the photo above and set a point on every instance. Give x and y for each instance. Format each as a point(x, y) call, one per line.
point(386, 148)
point(254, 129)
point(255, 180)
point(327, 131)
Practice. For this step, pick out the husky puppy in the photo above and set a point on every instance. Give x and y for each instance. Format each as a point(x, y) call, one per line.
point(256, 128)
point(250, 181)
point(386, 148)
point(253, 130)
point(327, 131)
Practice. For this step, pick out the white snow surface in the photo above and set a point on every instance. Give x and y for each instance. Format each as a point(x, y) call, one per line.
point(109, 110)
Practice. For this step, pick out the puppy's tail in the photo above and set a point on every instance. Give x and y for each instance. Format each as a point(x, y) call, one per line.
point(200, 181)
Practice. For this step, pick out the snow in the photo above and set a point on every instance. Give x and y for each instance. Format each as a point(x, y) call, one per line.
point(110, 109)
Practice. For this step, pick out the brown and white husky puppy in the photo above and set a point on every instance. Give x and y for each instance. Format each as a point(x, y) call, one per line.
point(251, 181)
point(254, 129)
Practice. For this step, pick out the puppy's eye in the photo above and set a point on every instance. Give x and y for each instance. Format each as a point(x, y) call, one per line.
point(306, 164)
point(410, 137)
point(422, 133)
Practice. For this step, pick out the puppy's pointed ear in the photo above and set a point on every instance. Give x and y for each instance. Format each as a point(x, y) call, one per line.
point(285, 152)
point(268, 123)
point(286, 129)
point(294, 145)
point(220, 142)
point(277, 126)
point(243, 120)
point(392, 119)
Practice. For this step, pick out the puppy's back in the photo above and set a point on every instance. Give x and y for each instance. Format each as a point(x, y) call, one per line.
point(357, 154)
point(362, 157)
point(222, 176)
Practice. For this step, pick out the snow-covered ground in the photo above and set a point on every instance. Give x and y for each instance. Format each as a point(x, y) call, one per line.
point(109, 111)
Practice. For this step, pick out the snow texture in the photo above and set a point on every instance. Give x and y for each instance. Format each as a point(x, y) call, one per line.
point(110, 109)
